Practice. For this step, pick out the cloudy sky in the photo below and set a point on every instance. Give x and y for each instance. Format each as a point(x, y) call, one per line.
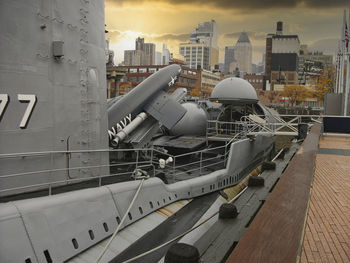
point(317, 22)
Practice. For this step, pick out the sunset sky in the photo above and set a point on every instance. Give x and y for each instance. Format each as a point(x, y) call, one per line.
point(317, 22)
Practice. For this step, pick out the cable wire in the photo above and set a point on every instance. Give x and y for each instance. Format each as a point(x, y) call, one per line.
point(121, 222)
point(195, 227)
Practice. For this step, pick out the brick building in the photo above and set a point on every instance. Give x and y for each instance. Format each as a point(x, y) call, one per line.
point(134, 75)
point(257, 81)
point(282, 60)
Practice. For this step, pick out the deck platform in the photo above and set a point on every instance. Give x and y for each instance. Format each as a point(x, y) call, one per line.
point(327, 233)
point(307, 216)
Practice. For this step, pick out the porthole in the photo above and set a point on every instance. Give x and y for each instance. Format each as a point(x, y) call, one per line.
point(130, 216)
point(164, 200)
point(75, 243)
point(91, 234)
point(47, 256)
point(169, 198)
point(118, 220)
point(105, 226)
point(151, 205)
point(140, 209)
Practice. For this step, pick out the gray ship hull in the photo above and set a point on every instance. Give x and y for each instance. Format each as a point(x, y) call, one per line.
point(61, 225)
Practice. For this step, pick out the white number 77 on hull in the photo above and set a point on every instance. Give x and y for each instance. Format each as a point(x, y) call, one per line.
point(4, 100)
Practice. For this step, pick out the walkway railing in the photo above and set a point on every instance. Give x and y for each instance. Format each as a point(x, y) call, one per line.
point(25, 172)
point(67, 167)
point(253, 124)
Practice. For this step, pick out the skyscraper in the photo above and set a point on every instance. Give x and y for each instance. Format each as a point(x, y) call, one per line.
point(243, 53)
point(158, 58)
point(144, 54)
point(149, 54)
point(229, 58)
point(202, 50)
point(165, 55)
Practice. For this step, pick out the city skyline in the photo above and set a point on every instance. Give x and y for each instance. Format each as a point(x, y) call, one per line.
point(318, 23)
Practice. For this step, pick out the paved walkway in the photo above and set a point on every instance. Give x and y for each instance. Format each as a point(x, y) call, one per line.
point(327, 232)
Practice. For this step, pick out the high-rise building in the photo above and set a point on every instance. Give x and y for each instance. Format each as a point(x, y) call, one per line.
point(144, 54)
point(229, 58)
point(281, 62)
point(149, 54)
point(243, 53)
point(165, 55)
point(202, 50)
point(196, 55)
point(159, 58)
point(206, 33)
point(132, 57)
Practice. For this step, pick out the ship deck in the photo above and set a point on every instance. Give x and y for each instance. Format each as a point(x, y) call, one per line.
point(307, 216)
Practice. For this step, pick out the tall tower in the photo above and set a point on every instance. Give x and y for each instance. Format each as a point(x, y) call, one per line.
point(243, 53)
point(144, 54)
point(202, 50)
point(229, 58)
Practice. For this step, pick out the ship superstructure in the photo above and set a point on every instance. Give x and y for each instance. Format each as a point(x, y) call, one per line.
point(53, 88)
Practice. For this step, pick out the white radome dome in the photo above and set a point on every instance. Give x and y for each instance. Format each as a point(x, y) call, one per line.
point(234, 91)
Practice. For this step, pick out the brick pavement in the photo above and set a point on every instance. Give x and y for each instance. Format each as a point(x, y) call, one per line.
point(327, 232)
point(335, 142)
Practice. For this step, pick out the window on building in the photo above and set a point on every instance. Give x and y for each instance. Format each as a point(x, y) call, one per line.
point(133, 70)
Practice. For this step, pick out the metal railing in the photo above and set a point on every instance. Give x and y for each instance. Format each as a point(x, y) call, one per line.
point(279, 125)
point(67, 167)
point(44, 170)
